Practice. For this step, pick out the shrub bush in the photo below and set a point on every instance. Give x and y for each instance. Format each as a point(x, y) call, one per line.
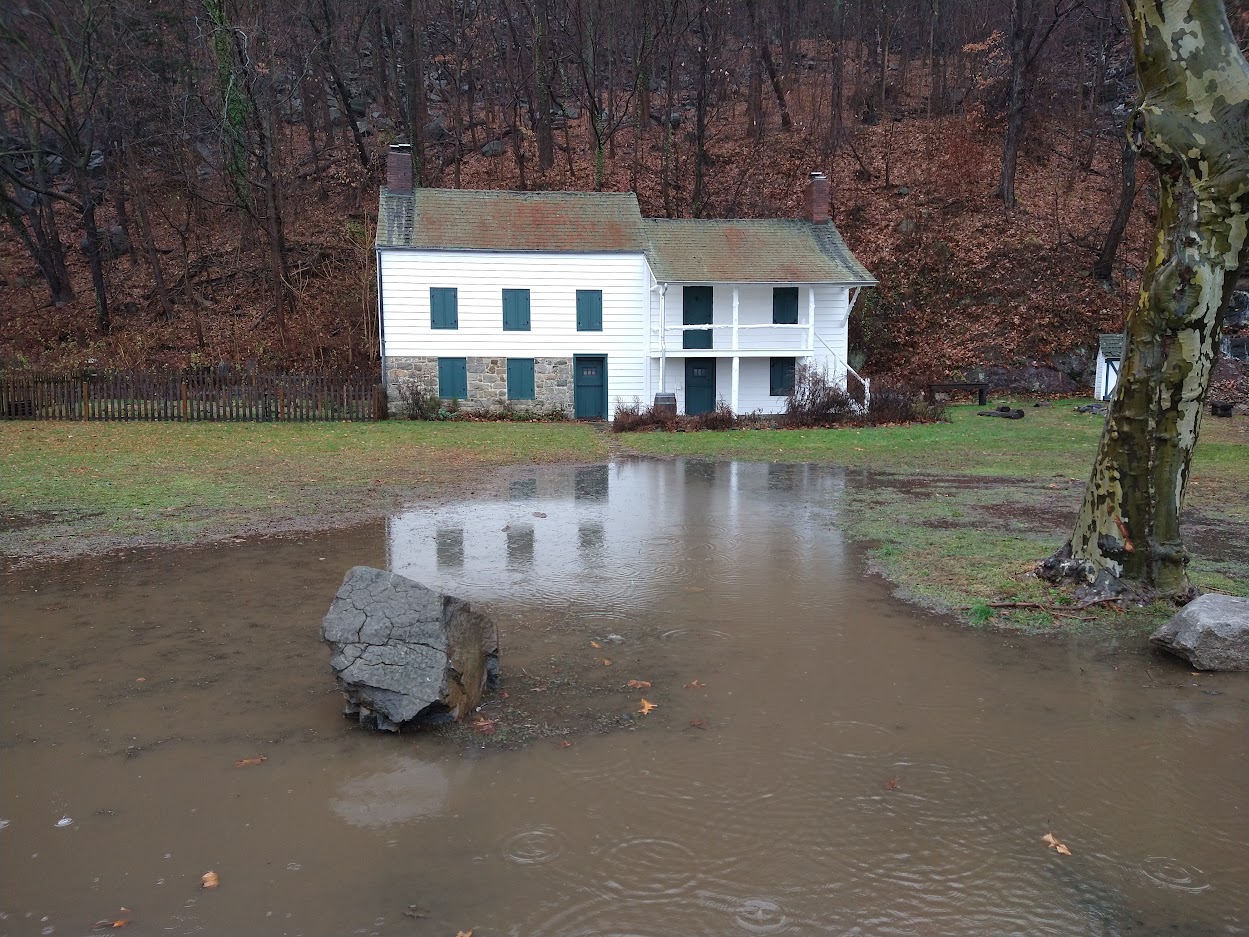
point(893, 403)
point(633, 417)
point(417, 402)
point(721, 418)
point(816, 401)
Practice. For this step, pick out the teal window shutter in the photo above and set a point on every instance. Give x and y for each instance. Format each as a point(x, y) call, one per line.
point(520, 379)
point(785, 305)
point(781, 376)
point(516, 310)
point(589, 310)
point(443, 307)
point(453, 378)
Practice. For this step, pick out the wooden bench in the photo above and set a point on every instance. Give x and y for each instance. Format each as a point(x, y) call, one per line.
point(981, 389)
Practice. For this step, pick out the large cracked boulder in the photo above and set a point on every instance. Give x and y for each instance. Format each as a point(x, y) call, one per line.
point(1211, 633)
point(405, 655)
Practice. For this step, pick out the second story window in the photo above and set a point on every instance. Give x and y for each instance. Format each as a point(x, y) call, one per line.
point(444, 307)
point(785, 305)
point(516, 310)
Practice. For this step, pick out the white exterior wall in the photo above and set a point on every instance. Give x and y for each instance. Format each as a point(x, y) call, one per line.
point(1105, 379)
point(552, 280)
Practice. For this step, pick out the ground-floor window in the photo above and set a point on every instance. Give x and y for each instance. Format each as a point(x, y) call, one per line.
point(453, 378)
point(520, 379)
point(781, 376)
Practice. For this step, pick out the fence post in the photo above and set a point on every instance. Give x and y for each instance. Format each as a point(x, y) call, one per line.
point(86, 401)
point(184, 402)
point(379, 402)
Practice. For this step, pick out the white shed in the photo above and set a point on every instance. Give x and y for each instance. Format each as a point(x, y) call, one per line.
point(1109, 358)
point(572, 300)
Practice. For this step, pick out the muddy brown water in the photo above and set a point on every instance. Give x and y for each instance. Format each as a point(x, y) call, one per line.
point(851, 766)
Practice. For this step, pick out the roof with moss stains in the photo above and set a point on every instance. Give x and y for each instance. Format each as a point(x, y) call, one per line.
point(678, 250)
point(750, 251)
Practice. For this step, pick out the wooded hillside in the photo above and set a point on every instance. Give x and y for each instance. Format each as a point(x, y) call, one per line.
point(194, 183)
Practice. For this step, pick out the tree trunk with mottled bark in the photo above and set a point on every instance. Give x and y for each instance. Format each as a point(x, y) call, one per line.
point(1193, 125)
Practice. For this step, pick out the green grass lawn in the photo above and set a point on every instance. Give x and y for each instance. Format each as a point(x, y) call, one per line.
point(1049, 441)
point(956, 514)
point(124, 479)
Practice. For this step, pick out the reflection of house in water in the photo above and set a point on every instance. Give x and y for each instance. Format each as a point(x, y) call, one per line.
point(570, 535)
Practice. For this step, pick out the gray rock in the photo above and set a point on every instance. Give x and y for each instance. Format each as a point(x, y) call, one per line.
point(1211, 633)
point(406, 655)
point(492, 148)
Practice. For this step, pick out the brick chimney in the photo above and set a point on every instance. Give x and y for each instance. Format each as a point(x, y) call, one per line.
point(815, 198)
point(399, 167)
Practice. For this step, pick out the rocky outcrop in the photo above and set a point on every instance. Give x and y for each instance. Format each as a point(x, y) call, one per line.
point(405, 655)
point(1211, 633)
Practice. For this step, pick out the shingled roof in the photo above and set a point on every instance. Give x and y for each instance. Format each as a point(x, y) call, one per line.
point(464, 219)
point(750, 251)
point(1111, 346)
point(679, 250)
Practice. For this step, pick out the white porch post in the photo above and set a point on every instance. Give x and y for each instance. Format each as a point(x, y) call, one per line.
point(737, 361)
point(663, 334)
point(811, 322)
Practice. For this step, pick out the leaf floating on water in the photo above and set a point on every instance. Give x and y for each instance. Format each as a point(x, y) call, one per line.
point(893, 784)
point(698, 723)
point(596, 644)
point(1057, 845)
point(464, 933)
point(249, 762)
point(605, 661)
point(696, 685)
point(640, 684)
point(209, 880)
point(564, 743)
point(647, 706)
point(695, 589)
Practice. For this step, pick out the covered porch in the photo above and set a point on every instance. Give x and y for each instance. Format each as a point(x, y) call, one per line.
point(741, 343)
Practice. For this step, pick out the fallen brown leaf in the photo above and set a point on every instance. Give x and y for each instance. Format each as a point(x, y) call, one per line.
point(893, 784)
point(605, 661)
point(209, 880)
point(640, 684)
point(596, 644)
point(1058, 846)
point(248, 762)
point(647, 706)
point(564, 743)
point(484, 726)
point(698, 723)
point(695, 685)
point(464, 933)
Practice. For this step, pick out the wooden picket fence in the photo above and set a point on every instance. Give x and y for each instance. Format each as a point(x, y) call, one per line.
point(191, 396)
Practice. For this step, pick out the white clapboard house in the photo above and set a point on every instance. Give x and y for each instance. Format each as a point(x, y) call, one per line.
point(574, 300)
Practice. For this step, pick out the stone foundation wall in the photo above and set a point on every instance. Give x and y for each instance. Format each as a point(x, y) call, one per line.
point(487, 383)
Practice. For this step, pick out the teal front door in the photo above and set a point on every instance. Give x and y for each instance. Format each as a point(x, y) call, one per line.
point(589, 387)
point(700, 385)
point(696, 310)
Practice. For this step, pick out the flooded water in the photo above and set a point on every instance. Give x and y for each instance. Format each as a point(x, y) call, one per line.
point(823, 758)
